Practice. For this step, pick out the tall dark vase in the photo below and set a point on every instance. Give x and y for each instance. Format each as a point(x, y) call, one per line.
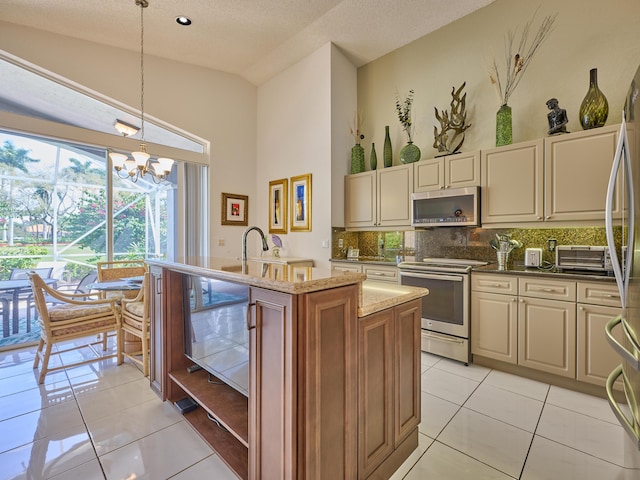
point(594, 109)
point(373, 160)
point(357, 158)
point(504, 128)
point(386, 152)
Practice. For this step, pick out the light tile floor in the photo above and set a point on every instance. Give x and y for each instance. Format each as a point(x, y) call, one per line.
point(100, 421)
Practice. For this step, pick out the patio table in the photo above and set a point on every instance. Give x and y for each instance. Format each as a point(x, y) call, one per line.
point(14, 288)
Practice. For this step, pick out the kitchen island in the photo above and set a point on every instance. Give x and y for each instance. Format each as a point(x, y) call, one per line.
point(333, 368)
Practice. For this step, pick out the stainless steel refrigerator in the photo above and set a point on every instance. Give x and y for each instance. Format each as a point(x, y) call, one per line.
point(626, 264)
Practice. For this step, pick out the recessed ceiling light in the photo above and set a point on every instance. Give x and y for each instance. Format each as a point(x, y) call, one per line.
point(182, 20)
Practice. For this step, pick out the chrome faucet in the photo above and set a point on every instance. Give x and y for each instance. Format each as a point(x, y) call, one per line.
point(265, 246)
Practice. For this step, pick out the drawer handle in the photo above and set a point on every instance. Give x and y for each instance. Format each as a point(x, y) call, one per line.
point(609, 295)
point(628, 425)
point(633, 360)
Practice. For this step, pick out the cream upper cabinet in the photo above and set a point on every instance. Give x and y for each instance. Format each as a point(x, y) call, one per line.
point(577, 170)
point(563, 178)
point(512, 183)
point(379, 198)
point(450, 171)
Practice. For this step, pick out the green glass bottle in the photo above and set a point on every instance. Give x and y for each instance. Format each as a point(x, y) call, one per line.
point(386, 152)
point(373, 160)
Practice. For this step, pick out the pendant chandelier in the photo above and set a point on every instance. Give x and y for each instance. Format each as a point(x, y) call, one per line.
point(141, 164)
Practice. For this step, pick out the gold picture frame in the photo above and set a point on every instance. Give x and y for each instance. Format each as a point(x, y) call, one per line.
point(235, 209)
point(300, 205)
point(278, 198)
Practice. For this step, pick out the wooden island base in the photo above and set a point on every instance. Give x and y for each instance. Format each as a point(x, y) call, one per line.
point(331, 395)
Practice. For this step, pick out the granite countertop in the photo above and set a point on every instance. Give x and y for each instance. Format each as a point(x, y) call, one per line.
point(520, 269)
point(376, 296)
point(373, 296)
point(283, 278)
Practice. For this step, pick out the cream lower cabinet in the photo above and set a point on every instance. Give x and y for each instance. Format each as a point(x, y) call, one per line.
point(379, 198)
point(597, 304)
point(450, 171)
point(494, 317)
point(547, 335)
point(554, 326)
point(388, 386)
point(382, 273)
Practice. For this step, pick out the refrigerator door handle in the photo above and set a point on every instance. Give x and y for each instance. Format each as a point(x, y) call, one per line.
point(629, 357)
point(621, 160)
point(632, 428)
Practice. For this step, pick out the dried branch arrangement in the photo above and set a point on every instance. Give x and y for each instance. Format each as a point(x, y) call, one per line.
point(452, 127)
point(518, 57)
point(403, 109)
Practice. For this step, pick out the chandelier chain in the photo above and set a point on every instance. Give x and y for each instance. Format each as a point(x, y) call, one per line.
point(143, 4)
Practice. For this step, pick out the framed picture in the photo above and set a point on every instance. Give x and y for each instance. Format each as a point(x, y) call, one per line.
point(301, 203)
point(278, 198)
point(235, 209)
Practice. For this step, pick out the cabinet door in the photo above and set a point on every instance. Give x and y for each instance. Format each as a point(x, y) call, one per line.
point(428, 175)
point(394, 191)
point(375, 390)
point(272, 383)
point(577, 169)
point(462, 170)
point(547, 335)
point(512, 183)
point(596, 358)
point(360, 199)
point(494, 326)
point(407, 317)
point(328, 394)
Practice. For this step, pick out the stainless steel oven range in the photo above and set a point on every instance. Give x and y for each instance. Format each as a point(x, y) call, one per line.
point(446, 310)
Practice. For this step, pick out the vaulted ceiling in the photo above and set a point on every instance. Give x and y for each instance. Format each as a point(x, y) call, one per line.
point(255, 39)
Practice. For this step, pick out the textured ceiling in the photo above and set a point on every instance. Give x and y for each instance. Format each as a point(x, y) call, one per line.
point(252, 38)
point(255, 39)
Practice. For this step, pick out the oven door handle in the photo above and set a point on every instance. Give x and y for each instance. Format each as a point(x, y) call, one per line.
point(451, 278)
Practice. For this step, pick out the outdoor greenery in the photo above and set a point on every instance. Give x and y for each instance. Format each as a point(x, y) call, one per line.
point(20, 257)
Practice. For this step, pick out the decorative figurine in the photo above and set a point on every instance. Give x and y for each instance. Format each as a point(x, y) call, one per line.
point(452, 127)
point(557, 117)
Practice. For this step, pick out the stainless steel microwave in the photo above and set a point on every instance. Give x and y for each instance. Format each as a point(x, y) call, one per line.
point(453, 207)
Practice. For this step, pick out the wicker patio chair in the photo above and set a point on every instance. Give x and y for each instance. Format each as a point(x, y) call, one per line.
point(77, 316)
point(120, 269)
point(134, 319)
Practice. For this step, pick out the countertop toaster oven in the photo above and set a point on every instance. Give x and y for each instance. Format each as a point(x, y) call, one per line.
point(583, 257)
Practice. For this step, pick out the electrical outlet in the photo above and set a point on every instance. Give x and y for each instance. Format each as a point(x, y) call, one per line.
point(221, 242)
point(340, 243)
point(552, 243)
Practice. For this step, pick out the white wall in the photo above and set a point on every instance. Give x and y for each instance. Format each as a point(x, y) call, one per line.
point(297, 112)
point(216, 106)
point(588, 34)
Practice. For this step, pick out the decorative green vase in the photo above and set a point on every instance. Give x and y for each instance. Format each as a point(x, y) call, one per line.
point(410, 153)
point(504, 131)
point(594, 109)
point(357, 158)
point(374, 157)
point(386, 152)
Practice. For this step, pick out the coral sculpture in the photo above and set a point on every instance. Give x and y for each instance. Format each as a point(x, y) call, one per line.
point(452, 127)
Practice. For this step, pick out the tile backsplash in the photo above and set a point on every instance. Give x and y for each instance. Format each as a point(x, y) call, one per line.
point(463, 242)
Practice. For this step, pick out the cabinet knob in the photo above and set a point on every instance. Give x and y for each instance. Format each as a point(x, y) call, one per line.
point(548, 217)
point(539, 218)
point(581, 308)
point(522, 300)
